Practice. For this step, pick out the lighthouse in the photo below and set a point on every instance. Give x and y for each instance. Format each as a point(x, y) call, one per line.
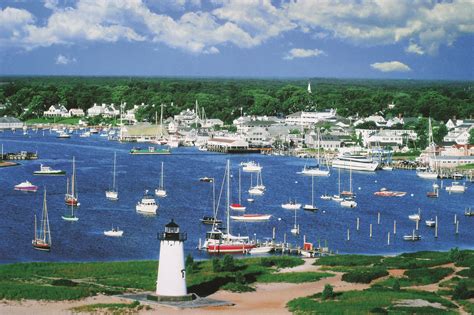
point(171, 282)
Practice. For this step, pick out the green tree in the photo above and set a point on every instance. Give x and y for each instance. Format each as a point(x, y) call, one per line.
point(471, 136)
point(439, 132)
point(228, 263)
point(216, 264)
point(396, 285)
point(461, 291)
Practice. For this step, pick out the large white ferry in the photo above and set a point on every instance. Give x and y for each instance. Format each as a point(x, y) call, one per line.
point(355, 162)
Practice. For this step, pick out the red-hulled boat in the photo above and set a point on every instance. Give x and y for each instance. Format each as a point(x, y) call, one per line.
point(389, 193)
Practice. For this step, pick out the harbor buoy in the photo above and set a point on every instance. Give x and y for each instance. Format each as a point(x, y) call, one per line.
point(375, 181)
point(412, 195)
point(359, 188)
point(296, 182)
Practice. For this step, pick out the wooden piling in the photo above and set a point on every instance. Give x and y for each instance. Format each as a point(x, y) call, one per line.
point(348, 235)
point(388, 238)
point(436, 226)
point(370, 233)
point(358, 223)
point(378, 218)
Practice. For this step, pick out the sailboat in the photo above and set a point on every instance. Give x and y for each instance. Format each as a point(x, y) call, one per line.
point(311, 207)
point(70, 216)
point(348, 193)
point(296, 228)
point(238, 206)
point(212, 220)
point(42, 240)
point(114, 232)
point(160, 191)
point(219, 242)
point(338, 197)
point(71, 196)
point(260, 184)
point(316, 170)
point(426, 172)
point(254, 190)
point(291, 205)
point(112, 194)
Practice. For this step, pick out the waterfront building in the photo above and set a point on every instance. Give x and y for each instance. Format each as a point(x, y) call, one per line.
point(104, 110)
point(212, 122)
point(187, 117)
point(450, 161)
point(227, 145)
point(145, 131)
point(258, 136)
point(10, 123)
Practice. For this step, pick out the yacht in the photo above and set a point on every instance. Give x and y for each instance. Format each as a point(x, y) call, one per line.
point(426, 173)
point(114, 232)
point(355, 162)
point(349, 203)
point(251, 167)
point(26, 186)
point(291, 205)
point(147, 204)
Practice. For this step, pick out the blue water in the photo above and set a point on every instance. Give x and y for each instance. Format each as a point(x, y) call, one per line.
point(188, 200)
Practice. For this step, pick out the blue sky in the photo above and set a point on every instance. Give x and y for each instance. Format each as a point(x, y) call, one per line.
point(315, 38)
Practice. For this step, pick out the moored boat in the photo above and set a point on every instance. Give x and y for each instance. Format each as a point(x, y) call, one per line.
point(251, 167)
point(210, 220)
point(456, 187)
point(430, 222)
point(26, 186)
point(291, 205)
point(355, 162)
point(46, 170)
point(147, 205)
point(251, 217)
point(42, 240)
point(114, 232)
point(383, 192)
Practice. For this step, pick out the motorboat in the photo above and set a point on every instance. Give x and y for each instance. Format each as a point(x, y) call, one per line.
point(349, 203)
point(210, 220)
point(430, 222)
point(456, 187)
point(26, 186)
point(426, 173)
point(46, 170)
point(326, 197)
point(291, 205)
point(114, 232)
point(206, 179)
point(251, 167)
point(383, 192)
point(147, 205)
point(259, 250)
point(63, 135)
point(415, 216)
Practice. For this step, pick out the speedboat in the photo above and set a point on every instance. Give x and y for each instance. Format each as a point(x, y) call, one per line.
point(355, 163)
point(415, 217)
point(63, 135)
point(114, 232)
point(337, 198)
point(147, 204)
point(46, 170)
point(291, 205)
point(261, 250)
point(26, 186)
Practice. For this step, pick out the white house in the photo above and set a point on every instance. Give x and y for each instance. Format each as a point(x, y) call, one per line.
point(187, 117)
point(104, 110)
point(257, 136)
point(211, 122)
point(307, 119)
point(56, 111)
point(76, 112)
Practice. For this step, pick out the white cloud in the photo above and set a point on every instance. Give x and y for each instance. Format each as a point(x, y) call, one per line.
point(303, 53)
point(414, 49)
point(390, 66)
point(63, 60)
point(426, 24)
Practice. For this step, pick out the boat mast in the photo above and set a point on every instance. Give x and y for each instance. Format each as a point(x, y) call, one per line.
point(73, 179)
point(312, 191)
point(67, 186)
point(350, 178)
point(319, 144)
point(240, 194)
point(35, 229)
point(46, 231)
point(115, 161)
point(161, 122)
point(339, 182)
point(228, 199)
point(214, 210)
point(161, 180)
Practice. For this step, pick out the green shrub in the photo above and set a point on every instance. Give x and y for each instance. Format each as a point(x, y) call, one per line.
point(293, 277)
point(348, 260)
point(216, 264)
point(64, 283)
point(461, 292)
point(396, 285)
point(237, 287)
point(281, 262)
point(328, 292)
point(228, 263)
point(364, 276)
point(422, 276)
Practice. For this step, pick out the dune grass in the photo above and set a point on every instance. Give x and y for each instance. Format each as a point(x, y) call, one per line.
point(293, 277)
point(374, 300)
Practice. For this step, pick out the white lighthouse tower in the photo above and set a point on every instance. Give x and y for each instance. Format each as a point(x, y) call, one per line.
point(171, 282)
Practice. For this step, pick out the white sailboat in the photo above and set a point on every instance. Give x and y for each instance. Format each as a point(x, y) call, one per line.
point(291, 205)
point(112, 194)
point(238, 206)
point(42, 240)
point(160, 191)
point(316, 170)
point(296, 228)
point(338, 197)
point(70, 216)
point(311, 207)
point(71, 197)
point(254, 190)
point(427, 172)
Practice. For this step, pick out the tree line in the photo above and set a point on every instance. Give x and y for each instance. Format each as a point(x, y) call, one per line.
point(29, 97)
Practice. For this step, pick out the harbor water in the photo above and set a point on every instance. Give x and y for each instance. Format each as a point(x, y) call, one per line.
point(189, 200)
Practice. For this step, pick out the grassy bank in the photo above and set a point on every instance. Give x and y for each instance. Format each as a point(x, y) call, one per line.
point(67, 281)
